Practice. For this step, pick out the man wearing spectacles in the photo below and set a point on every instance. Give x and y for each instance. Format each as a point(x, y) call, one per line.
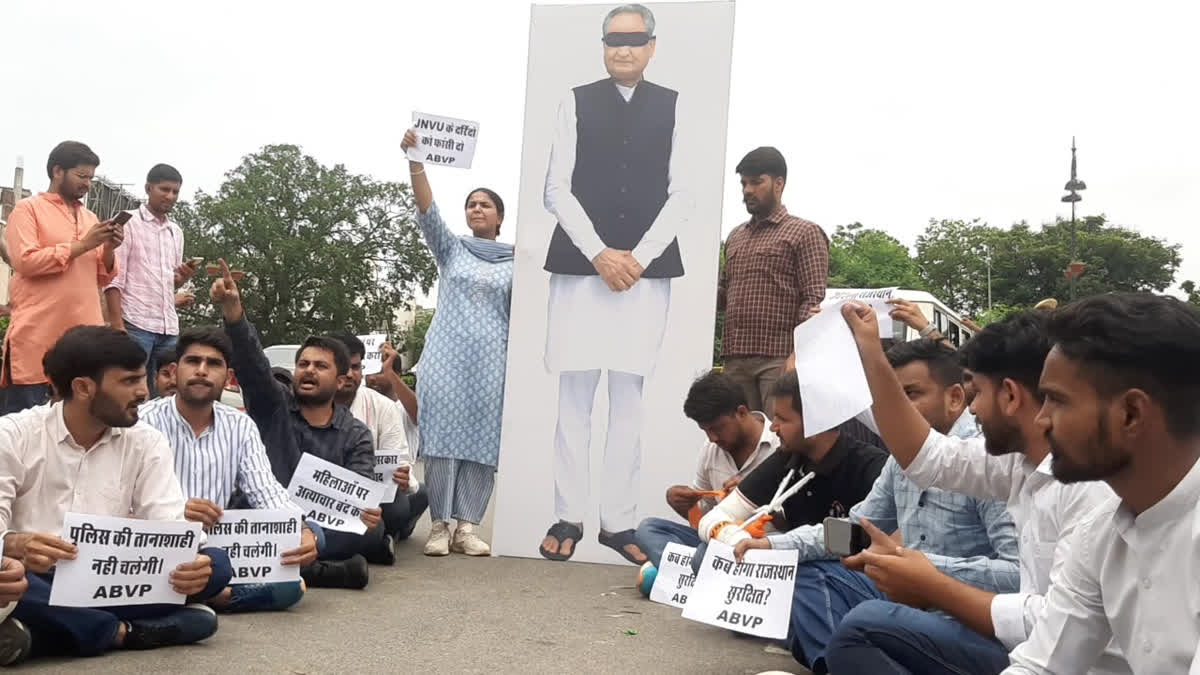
point(616, 187)
point(61, 255)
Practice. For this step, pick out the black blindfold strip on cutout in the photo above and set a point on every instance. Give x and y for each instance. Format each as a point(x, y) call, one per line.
point(640, 39)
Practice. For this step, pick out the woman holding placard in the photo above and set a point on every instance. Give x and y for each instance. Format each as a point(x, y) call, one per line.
point(460, 391)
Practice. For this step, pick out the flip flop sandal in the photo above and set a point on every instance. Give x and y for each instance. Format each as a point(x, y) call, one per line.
point(562, 531)
point(618, 541)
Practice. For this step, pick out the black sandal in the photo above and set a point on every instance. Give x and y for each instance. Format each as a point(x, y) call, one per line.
point(617, 541)
point(562, 531)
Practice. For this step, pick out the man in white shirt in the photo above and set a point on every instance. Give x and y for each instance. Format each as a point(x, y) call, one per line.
point(1012, 461)
point(738, 440)
point(386, 421)
point(217, 449)
point(617, 186)
point(1122, 388)
point(89, 454)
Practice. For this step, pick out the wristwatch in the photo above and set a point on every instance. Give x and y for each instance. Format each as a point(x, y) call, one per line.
point(927, 330)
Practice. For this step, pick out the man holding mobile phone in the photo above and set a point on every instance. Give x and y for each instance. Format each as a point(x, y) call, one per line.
point(60, 252)
point(141, 298)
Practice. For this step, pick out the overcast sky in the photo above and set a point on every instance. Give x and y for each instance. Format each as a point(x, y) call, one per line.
point(888, 113)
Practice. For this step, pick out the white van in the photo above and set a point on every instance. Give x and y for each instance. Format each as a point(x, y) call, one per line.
point(945, 320)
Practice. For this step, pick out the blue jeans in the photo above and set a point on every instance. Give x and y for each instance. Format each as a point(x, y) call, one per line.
point(84, 631)
point(400, 517)
point(151, 343)
point(881, 637)
point(653, 535)
point(338, 545)
point(17, 397)
point(825, 592)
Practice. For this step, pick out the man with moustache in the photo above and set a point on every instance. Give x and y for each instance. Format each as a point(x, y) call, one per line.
point(303, 418)
point(61, 253)
point(141, 297)
point(89, 454)
point(217, 451)
point(618, 189)
point(1122, 389)
point(973, 629)
point(776, 266)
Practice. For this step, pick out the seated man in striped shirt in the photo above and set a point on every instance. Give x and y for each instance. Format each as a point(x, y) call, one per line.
point(217, 450)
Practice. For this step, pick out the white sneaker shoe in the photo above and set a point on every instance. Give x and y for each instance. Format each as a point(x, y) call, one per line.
point(439, 539)
point(466, 541)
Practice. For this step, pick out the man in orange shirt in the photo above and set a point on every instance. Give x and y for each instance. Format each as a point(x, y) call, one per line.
point(61, 255)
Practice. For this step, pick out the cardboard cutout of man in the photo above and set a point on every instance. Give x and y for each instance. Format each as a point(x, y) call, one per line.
point(614, 186)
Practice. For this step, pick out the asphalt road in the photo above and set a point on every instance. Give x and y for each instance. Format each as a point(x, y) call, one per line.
point(462, 615)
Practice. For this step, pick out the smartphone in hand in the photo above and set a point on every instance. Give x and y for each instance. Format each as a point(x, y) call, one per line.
point(122, 217)
point(844, 538)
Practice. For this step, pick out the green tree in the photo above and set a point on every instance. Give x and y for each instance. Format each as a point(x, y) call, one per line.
point(1189, 287)
point(1028, 265)
point(718, 359)
point(412, 339)
point(323, 249)
point(995, 314)
point(867, 258)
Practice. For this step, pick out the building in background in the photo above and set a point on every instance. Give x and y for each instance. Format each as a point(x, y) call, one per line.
point(9, 196)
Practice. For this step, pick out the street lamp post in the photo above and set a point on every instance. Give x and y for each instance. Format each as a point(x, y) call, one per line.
point(1073, 188)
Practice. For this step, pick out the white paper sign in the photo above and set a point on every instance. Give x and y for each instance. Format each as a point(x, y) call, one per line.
point(875, 297)
point(675, 576)
point(372, 363)
point(333, 496)
point(122, 561)
point(443, 141)
point(386, 464)
point(753, 596)
point(833, 384)
point(256, 540)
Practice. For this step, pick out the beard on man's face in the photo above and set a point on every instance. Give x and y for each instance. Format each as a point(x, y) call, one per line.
point(309, 391)
point(111, 412)
point(1104, 459)
point(999, 437)
point(198, 391)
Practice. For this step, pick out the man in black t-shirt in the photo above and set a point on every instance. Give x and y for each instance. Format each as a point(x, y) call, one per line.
point(845, 470)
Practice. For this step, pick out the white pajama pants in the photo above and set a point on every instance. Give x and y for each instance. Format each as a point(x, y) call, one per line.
point(622, 449)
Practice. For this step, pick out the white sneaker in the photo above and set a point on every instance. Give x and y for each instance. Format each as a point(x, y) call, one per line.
point(439, 539)
point(466, 541)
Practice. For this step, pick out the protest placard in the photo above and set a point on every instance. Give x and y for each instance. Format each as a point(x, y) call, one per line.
point(444, 141)
point(372, 363)
point(833, 383)
point(122, 561)
point(753, 596)
point(875, 297)
point(256, 540)
point(675, 577)
point(331, 495)
point(386, 464)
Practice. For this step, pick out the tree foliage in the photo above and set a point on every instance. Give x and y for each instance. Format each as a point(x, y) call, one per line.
point(412, 339)
point(323, 249)
point(867, 258)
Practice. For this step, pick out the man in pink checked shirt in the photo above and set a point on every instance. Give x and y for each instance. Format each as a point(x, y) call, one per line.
point(141, 298)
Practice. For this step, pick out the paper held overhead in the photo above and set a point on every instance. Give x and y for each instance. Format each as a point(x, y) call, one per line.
point(444, 141)
point(875, 297)
point(833, 384)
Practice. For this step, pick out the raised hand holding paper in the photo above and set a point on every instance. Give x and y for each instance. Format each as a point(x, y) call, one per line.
point(443, 141)
point(372, 363)
point(833, 384)
point(876, 298)
point(122, 561)
point(333, 496)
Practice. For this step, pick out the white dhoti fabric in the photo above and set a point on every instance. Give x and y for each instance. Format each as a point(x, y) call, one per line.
point(589, 326)
point(591, 329)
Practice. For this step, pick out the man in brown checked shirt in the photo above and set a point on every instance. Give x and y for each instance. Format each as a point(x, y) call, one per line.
point(774, 278)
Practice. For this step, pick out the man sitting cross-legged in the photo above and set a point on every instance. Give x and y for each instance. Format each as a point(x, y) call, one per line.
point(89, 454)
point(303, 418)
point(970, 539)
point(217, 450)
point(738, 441)
point(385, 419)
